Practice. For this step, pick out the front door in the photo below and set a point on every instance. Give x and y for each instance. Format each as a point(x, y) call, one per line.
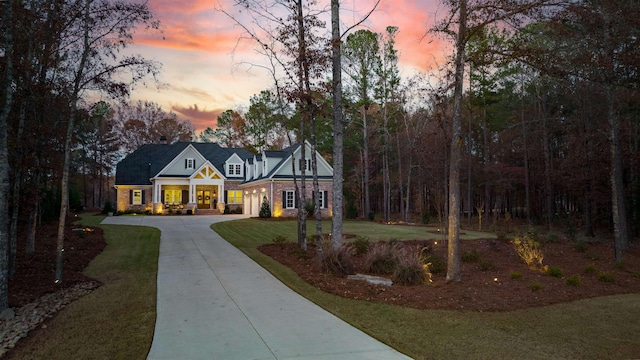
point(204, 199)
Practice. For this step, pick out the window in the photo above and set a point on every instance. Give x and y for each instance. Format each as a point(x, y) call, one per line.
point(234, 196)
point(289, 199)
point(322, 199)
point(306, 163)
point(234, 169)
point(173, 196)
point(136, 197)
point(190, 163)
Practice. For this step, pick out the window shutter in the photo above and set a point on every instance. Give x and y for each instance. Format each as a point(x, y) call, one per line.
point(226, 196)
point(284, 199)
point(297, 199)
point(185, 163)
point(185, 196)
point(143, 198)
point(130, 197)
point(162, 196)
point(326, 199)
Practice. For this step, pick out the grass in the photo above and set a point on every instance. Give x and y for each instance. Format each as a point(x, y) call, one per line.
point(117, 320)
point(596, 328)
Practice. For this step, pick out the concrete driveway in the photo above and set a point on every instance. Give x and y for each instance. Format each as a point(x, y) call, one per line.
point(216, 303)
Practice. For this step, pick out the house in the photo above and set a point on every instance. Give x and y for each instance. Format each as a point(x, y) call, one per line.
point(164, 178)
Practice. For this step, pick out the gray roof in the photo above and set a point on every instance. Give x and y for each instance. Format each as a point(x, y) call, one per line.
point(148, 160)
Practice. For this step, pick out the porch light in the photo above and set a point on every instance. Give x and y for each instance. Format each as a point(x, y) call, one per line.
point(263, 190)
point(254, 191)
point(246, 193)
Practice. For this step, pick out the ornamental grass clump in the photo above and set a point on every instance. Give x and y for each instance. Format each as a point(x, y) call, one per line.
point(382, 258)
point(361, 246)
point(411, 269)
point(336, 261)
point(529, 251)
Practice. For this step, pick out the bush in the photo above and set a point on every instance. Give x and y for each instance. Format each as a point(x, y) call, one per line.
point(226, 210)
point(108, 208)
point(411, 270)
point(425, 218)
point(574, 280)
point(535, 286)
point(606, 277)
point(470, 257)
point(486, 265)
point(555, 272)
point(591, 269)
point(361, 246)
point(382, 258)
point(516, 275)
point(352, 212)
point(279, 239)
point(552, 238)
point(265, 210)
point(371, 215)
point(335, 261)
point(438, 264)
point(310, 208)
point(580, 246)
point(528, 249)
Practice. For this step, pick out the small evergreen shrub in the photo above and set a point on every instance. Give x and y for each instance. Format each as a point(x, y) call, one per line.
point(486, 265)
point(574, 280)
point(361, 246)
point(502, 237)
point(554, 272)
point(227, 210)
point(516, 275)
point(371, 216)
point(580, 246)
point(279, 239)
point(352, 211)
point(606, 277)
point(591, 269)
point(470, 257)
point(310, 208)
point(108, 208)
point(552, 238)
point(425, 218)
point(535, 286)
point(265, 209)
point(382, 258)
point(411, 270)
point(528, 249)
point(438, 264)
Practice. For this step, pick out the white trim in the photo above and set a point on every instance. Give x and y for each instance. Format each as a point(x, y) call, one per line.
point(179, 156)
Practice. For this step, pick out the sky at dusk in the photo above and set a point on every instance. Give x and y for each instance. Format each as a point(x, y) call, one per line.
point(206, 69)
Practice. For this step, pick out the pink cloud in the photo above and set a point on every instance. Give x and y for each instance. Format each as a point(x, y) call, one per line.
point(200, 118)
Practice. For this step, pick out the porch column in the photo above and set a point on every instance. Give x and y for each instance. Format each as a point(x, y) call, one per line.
point(221, 193)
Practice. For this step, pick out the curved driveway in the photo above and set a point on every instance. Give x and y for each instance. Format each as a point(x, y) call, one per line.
point(214, 302)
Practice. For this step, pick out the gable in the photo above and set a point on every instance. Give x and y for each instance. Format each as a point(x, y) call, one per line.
point(184, 164)
point(284, 169)
point(206, 172)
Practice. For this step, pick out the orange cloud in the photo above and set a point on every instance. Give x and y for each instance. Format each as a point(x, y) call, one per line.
point(200, 118)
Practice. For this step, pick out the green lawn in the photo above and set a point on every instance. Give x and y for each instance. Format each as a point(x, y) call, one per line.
point(605, 327)
point(116, 321)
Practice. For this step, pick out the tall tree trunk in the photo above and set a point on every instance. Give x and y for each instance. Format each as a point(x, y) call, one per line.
point(365, 161)
point(546, 153)
point(338, 127)
point(64, 204)
point(4, 158)
point(453, 236)
point(302, 195)
point(404, 212)
point(525, 151)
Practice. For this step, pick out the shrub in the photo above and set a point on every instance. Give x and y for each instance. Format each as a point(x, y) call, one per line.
point(535, 286)
point(516, 275)
point(606, 277)
point(502, 237)
point(108, 208)
point(335, 261)
point(310, 208)
point(528, 249)
point(591, 269)
point(438, 264)
point(279, 239)
point(226, 210)
point(265, 209)
point(470, 257)
point(486, 265)
point(573, 280)
point(371, 216)
point(580, 246)
point(426, 218)
point(361, 246)
point(411, 270)
point(555, 272)
point(382, 258)
point(552, 238)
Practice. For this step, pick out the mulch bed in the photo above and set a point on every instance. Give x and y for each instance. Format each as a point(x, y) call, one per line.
point(489, 283)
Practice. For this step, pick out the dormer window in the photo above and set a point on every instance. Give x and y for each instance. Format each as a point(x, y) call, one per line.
point(234, 169)
point(189, 163)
